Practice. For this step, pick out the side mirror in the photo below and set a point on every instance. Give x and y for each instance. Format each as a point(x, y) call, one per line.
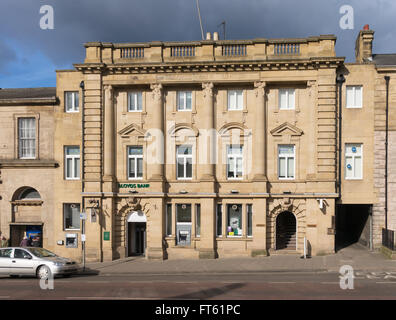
point(28, 257)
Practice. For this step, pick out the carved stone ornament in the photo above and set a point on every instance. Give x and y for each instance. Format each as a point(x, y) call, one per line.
point(260, 88)
point(108, 91)
point(207, 89)
point(157, 91)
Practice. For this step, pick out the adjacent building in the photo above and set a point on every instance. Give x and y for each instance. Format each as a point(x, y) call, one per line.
point(200, 149)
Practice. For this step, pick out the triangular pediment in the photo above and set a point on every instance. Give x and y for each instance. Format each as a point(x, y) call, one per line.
point(286, 129)
point(132, 130)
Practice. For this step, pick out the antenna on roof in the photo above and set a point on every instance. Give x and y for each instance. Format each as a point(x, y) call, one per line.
point(224, 28)
point(200, 20)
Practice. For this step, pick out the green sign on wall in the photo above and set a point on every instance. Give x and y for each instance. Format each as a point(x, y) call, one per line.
point(106, 235)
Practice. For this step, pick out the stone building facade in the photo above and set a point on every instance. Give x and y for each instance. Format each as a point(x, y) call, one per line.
point(200, 149)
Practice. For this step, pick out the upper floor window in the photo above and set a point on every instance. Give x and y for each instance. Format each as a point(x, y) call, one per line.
point(234, 162)
point(72, 163)
point(286, 162)
point(27, 138)
point(353, 161)
point(135, 101)
point(71, 101)
point(184, 162)
point(235, 99)
point(286, 99)
point(135, 162)
point(184, 99)
point(354, 96)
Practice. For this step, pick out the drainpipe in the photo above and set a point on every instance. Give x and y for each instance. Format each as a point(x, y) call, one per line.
point(82, 86)
point(339, 80)
point(387, 78)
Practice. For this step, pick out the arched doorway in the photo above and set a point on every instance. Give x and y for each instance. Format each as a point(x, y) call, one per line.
point(286, 231)
point(136, 234)
point(26, 217)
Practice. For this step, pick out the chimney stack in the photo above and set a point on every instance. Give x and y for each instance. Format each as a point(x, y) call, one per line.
point(208, 36)
point(364, 45)
point(215, 36)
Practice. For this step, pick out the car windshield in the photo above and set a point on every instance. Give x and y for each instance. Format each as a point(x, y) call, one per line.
point(41, 253)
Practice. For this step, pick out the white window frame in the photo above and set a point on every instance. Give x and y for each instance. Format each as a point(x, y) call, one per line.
point(73, 158)
point(287, 156)
point(74, 107)
point(136, 157)
point(135, 96)
point(233, 95)
point(184, 157)
point(228, 218)
point(353, 156)
point(287, 91)
point(184, 107)
point(235, 157)
point(353, 105)
point(22, 136)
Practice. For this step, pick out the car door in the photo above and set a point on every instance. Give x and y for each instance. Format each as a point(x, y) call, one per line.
point(5, 261)
point(22, 263)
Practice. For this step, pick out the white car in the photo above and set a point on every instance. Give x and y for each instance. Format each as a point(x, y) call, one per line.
point(33, 261)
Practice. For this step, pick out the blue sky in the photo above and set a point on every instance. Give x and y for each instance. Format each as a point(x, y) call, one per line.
point(29, 55)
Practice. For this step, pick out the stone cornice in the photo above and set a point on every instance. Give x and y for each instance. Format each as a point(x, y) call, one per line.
point(212, 66)
point(5, 163)
point(27, 202)
point(29, 101)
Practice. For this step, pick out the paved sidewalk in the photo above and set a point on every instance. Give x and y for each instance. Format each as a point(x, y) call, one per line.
point(356, 255)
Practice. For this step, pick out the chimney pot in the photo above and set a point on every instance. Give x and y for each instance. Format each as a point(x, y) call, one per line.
point(215, 36)
point(366, 27)
point(208, 36)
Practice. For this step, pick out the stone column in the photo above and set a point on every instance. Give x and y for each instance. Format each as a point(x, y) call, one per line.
point(207, 249)
point(108, 133)
point(260, 134)
point(207, 168)
point(157, 160)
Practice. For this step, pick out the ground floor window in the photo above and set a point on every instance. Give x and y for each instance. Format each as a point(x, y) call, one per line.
point(168, 219)
point(219, 222)
point(249, 213)
point(197, 220)
point(183, 224)
point(71, 216)
point(234, 220)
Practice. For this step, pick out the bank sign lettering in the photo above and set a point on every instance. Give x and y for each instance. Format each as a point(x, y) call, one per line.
point(133, 185)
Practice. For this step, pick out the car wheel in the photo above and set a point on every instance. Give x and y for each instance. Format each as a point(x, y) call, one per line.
point(43, 272)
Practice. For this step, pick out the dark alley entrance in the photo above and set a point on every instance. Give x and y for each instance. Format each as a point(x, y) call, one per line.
point(353, 224)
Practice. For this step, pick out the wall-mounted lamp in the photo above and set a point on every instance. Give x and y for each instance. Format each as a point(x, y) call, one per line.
point(234, 191)
point(183, 191)
point(322, 203)
point(133, 191)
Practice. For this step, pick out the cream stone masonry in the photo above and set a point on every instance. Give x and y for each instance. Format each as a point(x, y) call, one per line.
point(257, 172)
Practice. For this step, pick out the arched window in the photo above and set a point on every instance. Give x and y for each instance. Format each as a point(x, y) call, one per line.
point(29, 194)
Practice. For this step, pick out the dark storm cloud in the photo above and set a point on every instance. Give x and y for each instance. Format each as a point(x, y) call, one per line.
point(79, 21)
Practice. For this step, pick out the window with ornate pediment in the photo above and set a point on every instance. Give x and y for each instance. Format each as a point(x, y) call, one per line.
point(133, 143)
point(286, 144)
point(235, 151)
point(181, 151)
